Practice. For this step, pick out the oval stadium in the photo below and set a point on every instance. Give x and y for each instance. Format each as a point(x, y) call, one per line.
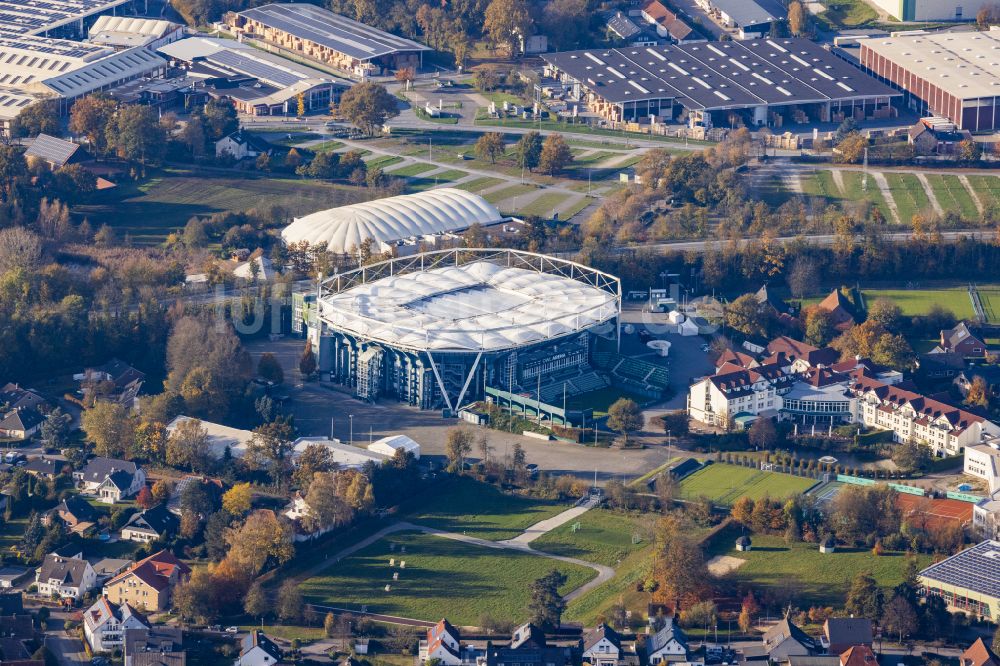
point(442, 329)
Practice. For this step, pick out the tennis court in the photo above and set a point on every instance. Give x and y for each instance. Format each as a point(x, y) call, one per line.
point(934, 512)
point(827, 491)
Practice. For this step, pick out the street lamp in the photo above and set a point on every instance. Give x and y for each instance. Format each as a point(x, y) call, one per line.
point(350, 417)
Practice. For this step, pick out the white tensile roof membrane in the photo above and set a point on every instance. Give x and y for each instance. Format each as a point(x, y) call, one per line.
point(472, 307)
point(392, 219)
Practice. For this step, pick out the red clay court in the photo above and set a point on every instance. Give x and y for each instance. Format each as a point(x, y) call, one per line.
point(937, 511)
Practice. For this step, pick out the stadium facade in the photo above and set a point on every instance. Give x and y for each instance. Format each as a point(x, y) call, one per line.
point(441, 329)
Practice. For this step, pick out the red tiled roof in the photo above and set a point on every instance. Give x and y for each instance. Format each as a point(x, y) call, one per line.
point(156, 570)
point(926, 407)
point(859, 655)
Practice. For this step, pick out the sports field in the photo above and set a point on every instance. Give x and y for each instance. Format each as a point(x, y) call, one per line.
point(800, 572)
point(990, 297)
point(919, 301)
point(469, 507)
point(442, 577)
point(164, 203)
point(724, 484)
point(602, 536)
point(927, 512)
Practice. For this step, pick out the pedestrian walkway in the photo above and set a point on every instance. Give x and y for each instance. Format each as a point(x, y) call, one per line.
point(538, 529)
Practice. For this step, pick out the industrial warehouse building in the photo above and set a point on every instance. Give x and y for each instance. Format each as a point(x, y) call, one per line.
point(955, 75)
point(931, 10)
point(123, 32)
point(770, 81)
point(258, 83)
point(442, 329)
point(398, 224)
point(56, 18)
point(33, 68)
point(332, 40)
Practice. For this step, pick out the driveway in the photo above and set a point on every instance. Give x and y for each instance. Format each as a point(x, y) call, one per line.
point(69, 651)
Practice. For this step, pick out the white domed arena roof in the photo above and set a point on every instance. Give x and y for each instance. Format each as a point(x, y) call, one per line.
point(392, 219)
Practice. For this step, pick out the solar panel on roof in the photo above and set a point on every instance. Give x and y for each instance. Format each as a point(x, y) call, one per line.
point(258, 69)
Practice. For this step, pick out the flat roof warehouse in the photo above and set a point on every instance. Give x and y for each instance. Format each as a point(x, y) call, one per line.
point(333, 31)
point(35, 17)
point(724, 75)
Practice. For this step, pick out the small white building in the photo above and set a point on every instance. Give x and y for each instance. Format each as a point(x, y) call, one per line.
point(667, 644)
point(344, 455)
point(265, 270)
point(241, 145)
point(387, 446)
point(256, 649)
point(105, 623)
point(602, 646)
point(219, 437)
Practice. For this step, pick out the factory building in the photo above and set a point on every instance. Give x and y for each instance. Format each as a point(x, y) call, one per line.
point(328, 39)
point(953, 75)
point(769, 82)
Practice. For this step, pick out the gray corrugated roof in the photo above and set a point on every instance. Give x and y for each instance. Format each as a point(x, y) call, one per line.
point(748, 12)
point(51, 149)
point(333, 31)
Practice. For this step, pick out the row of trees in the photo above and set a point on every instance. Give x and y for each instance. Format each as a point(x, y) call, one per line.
point(530, 152)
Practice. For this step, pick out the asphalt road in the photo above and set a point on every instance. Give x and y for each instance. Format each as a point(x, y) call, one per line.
point(68, 650)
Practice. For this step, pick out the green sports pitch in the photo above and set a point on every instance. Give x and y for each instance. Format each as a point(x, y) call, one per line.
point(724, 484)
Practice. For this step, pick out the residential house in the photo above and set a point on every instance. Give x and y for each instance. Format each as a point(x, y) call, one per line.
point(21, 423)
point(109, 567)
point(18, 641)
point(149, 584)
point(942, 365)
point(150, 525)
point(979, 654)
point(174, 502)
point(47, 468)
point(784, 640)
point(115, 381)
point(766, 297)
point(667, 23)
point(443, 643)
point(989, 373)
point(298, 512)
point(840, 308)
point(65, 577)
point(104, 624)
point(922, 139)
point(256, 649)
point(602, 646)
point(529, 647)
point(669, 644)
point(111, 480)
point(961, 340)
point(842, 633)
point(241, 145)
point(12, 396)
point(858, 655)
point(76, 513)
point(155, 646)
point(929, 137)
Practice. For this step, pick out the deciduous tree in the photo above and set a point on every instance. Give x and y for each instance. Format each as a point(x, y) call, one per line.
point(368, 105)
point(528, 151)
point(555, 156)
point(110, 427)
point(490, 146)
point(547, 605)
point(89, 116)
point(238, 499)
point(624, 417)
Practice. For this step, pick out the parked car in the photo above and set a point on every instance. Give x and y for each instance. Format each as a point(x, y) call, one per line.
point(232, 630)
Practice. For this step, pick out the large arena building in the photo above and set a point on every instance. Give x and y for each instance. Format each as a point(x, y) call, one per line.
point(441, 329)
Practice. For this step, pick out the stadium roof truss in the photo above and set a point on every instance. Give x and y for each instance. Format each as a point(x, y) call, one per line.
point(557, 269)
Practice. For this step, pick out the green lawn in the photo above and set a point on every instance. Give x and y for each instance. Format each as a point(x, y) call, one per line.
point(576, 207)
point(496, 196)
point(987, 188)
point(414, 169)
point(544, 204)
point(801, 571)
point(724, 484)
point(442, 577)
point(848, 14)
point(953, 196)
point(821, 184)
point(326, 147)
point(477, 185)
point(919, 301)
point(601, 399)
point(482, 511)
point(990, 296)
point(165, 202)
point(383, 161)
point(853, 191)
point(604, 537)
point(909, 194)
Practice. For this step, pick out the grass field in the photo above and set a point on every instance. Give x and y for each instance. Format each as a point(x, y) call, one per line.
point(383, 161)
point(990, 297)
point(724, 484)
point(987, 188)
point(919, 301)
point(953, 196)
point(909, 194)
point(601, 399)
point(496, 196)
point(482, 511)
point(605, 537)
point(821, 184)
point(801, 572)
point(479, 184)
point(442, 577)
point(576, 207)
point(853, 191)
point(544, 204)
point(164, 203)
point(414, 169)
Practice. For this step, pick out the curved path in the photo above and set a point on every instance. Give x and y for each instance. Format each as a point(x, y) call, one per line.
point(520, 542)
